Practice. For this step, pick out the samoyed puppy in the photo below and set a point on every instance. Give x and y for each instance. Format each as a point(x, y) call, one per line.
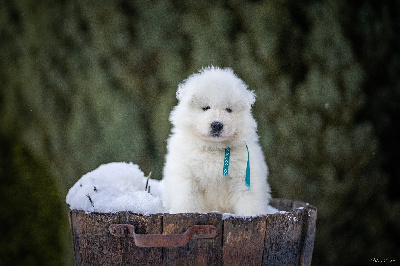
point(214, 160)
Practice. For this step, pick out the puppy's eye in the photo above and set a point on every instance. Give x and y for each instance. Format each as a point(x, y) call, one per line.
point(229, 110)
point(206, 108)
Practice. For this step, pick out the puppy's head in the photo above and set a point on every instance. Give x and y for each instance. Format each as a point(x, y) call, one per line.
point(214, 106)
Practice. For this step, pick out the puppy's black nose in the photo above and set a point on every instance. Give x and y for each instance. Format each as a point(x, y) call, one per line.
point(217, 126)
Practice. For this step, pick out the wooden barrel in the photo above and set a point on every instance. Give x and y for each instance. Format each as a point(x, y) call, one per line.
point(124, 238)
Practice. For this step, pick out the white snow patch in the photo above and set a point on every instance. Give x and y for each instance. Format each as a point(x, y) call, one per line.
point(270, 210)
point(115, 187)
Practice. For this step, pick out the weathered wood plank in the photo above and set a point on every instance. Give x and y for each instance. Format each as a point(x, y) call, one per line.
point(93, 244)
point(309, 227)
point(243, 240)
point(308, 234)
point(198, 251)
point(133, 255)
point(284, 238)
point(282, 204)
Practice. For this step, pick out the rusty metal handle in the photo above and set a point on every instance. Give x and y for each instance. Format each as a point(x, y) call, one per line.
point(160, 240)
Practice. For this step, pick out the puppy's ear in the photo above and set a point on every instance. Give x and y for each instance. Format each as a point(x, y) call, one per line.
point(179, 92)
point(184, 86)
point(251, 97)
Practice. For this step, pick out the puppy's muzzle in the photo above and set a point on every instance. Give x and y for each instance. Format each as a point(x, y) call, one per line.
point(216, 128)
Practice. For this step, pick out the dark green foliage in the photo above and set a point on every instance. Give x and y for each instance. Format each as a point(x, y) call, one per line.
point(30, 210)
point(85, 83)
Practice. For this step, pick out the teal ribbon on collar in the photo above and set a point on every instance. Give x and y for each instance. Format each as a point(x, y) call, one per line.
point(225, 169)
point(226, 161)
point(247, 179)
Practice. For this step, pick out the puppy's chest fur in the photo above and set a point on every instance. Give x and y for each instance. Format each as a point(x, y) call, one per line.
point(209, 169)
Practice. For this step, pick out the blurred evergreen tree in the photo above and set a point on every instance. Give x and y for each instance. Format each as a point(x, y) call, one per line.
point(30, 209)
point(85, 83)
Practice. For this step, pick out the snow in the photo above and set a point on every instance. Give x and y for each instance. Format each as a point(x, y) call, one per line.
point(270, 210)
point(115, 187)
point(120, 186)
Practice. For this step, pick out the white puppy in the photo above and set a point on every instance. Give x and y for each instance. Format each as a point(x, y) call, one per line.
point(214, 161)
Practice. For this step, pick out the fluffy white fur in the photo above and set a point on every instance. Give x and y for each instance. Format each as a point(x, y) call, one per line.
point(193, 178)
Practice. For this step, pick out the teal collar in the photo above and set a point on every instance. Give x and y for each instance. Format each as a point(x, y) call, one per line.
point(225, 169)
